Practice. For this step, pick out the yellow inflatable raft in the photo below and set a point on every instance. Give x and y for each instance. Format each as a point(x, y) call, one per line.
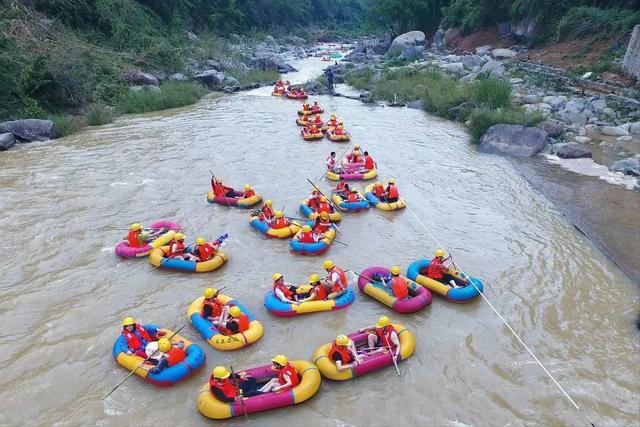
point(158, 258)
point(353, 176)
point(368, 193)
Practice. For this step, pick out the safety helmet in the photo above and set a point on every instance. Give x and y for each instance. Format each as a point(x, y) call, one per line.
point(128, 321)
point(179, 236)
point(164, 345)
point(209, 292)
point(218, 179)
point(395, 270)
point(383, 321)
point(136, 227)
point(306, 228)
point(328, 264)
point(220, 372)
point(378, 184)
point(324, 215)
point(314, 278)
point(340, 127)
point(342, 340)
point(313, 127)
point(318, 116)
point(333, 116)
point(268, 202)
point(392, 181)
point(280, 360)
point(235, 311)
point(277, 276)
point(247, 187)
point(278, 214)
point(354, 190)
point(200, 241)
point(439, 253)
point(323, 199)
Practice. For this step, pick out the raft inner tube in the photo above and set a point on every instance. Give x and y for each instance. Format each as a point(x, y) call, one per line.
point(274, 233)
point(283, 309)
point(158, 258)
point(344, 205)
point(237, 200)
point(370, 284)
point(379, 204)
point(352, 175)
point(417, 271)
point(316, 248)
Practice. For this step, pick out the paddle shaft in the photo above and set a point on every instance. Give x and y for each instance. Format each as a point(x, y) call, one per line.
point(235, 381)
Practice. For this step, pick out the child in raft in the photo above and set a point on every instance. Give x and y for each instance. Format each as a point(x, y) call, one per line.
point(285, 292)
point(213, 309)
point(164, 354)
point(343, 353)
point(383, 337)
point(287, 376)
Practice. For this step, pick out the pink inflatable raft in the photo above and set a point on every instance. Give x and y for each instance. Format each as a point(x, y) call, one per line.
point(169, 229)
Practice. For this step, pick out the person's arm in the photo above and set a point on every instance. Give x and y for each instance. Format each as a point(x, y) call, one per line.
point(288, 382)
point(311, 296)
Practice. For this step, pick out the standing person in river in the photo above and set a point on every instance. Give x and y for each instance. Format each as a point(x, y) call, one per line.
point(329, 74)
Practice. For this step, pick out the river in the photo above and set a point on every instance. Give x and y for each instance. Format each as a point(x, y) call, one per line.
point(66, 203)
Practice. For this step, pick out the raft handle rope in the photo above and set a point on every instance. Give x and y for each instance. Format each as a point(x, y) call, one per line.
point(515, 334)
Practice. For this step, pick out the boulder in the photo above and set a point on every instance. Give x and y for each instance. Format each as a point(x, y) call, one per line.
point(451, 36)
point(462, 111)
point(525, 30)
point(468, 78)
point(381, 46)
point(609, 112)
point(531, 99)
point(454, 67)
point(266, 63)
point(572, 117)
point(30, 129)
point(493, 68)
point(438, 38)
point(634, 129)
point(613, 131)
point(406, 40)
point(515, 140)
point(211, 78)
point(629, 166)
point(7, 140)
point(582, 139)
point(229, 81)
point(556, 101)
point(213, 64)
point(472, 61)
point(572, 151)
point(160, 75)
point(484, 50)
point(178, 77)
point(141, 78)
point(575, 104)
point(356, 57)
point(503, 53)
point(543, 108)
point(284, 68)
point(412, 53)
point(597, 105)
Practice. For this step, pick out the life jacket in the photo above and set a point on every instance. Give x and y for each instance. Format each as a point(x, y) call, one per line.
point(216, 307)
point(287, 293)
point(176, 355)
point(399, 287)
point(218, 189)
point(333, 123)
point(225, 386)
point(306, 107)
point(344, 353)
point(342, 284)
point(321, 225)
point(384, 334)
point(243, 325)
point(323, 207)
point(338, 132)
point(341, 185)
point(307, 237)
point(331, 163)
point(321, 292)
point(436, 269)
point(132, 238)
point(176, 249)
point(378, 191)
point(368, 162)
point(280, 223)
point(317, 121)
point(353, 197)
point(355, 157)
point(267, 211)
point(392, 191)
point(313, 203)
point(138, 338)
point(291, 371)
point(205, 251)
point(249, 193)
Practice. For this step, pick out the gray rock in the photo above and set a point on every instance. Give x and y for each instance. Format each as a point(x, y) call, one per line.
point(30, 129)
point(526, 30)
point(609, 112)
point(504, 30)
point(573, 151)
point(516, 81)
point(582, 139)
point(213, 64)
point(556, 102)
point(472, 61)
point(543, 108)
point(629, 166)
point(468, 78)
point(484, 50)
point(462, 111)
point(514, 140)
point(381, 46)
point(230, 81)
point(493, 68)
point(454, 67)
point(613, 131)
point(625, 138)
point(7, 140)
point(418, 105)
point(572, 117)
point(531, 99)
point(503, 53)
point(211, 78)
point(356, 58)
point(406, 40)
point(576, 104)
point(587, 75)
point(266, 63)
point(553, 128)
point(160, 75)
point(140, 77)
point(412, 53)
point(284, 68)
point(597, 105)
point(634, 129)
point(438, 38)
point(136, 88)
point(178, 77)
point(451, 36)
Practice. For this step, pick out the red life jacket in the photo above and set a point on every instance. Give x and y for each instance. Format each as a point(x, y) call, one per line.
point(323, 207)
point(287, 293)
point(341, 185)
point(342, 284)
point(176, 249)
point(281, 223)
point(392, 191)
point(216, 307)
point(321, 225)
point(368, 162)
point(317, 121)
point(333, 123)
point(249, 193)
point(218, 189)
point(243, 324)
point(436, 269)
point(384, 334)
point(331, 163)
point(133, 342)
point(345, 354)
point(321, 292)
point(225, 385)
point(205, 251)
point(338, 131)
point(399, 287)
point(267, 211)
point(378, 191)
point(306, 107)
point(291, 371)
point(307, 237)
point(176, 355)
point(132, 238)
point(353, 197)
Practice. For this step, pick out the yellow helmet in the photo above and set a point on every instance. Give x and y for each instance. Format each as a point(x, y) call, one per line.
point(179, 236)
point(306, 228)
point(356, 147)
point(378, 184)
point(268, 202)
point(333, 116)
point(328, 264)
point(395, 270)
point(317, 116)
point(280, 360)
point(164, 345)
point(354, 190)
point(128, 321)
point(278, 214)
point(277, 276)
point(323, 199)
point(220, 372)
point(247, 187)
point(235, 311)
point(218, 179)
point(439, 253)
point(200, 241)
point(324, 215)
point(383, 321)
point(392, 181)
point(343, 340)
point(136, 227)
point(210, 292)
point(314, 278)
point(340, 127)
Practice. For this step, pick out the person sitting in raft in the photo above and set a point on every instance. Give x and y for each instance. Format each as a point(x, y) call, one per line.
point(135, 237)
point(213, 309)
point(285, 292)
point(322, 223)
point(323, 205)
point(266, 213)
point(399, 286)
point(136, 337)
point(280, 221)
point(344, 354)
point(307, 235)
point(306, 107)
point(314, 199)
point(292, 91)
point(227, 389)
point(331, 162)
point(333, 121)
point(355, 153)
point(203, 250)
point(165, 354)
point(318, 120)
point(176, 249)
point(391, 193)
point(354, 196)
point(342, 188)
point(238, 323)
point(438, 271)
point(339, 130)
point(248, 191)
point(383, 337)
point(287, 376)
point(316, 106)
point(221, 190)
point(378, 190)
point(317, 291)
point(302, 92)
point(368, 161)
point(336, 280)
point(287, 84)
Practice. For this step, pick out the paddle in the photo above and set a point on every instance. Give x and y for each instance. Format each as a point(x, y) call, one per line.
point(235, 383)
point(142, 363)
point(213, 176)
point(393, 357)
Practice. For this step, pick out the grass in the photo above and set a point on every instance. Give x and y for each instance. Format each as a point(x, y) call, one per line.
point(171, 94)
point(254, 76)
point(99, 114)
point(602, 23)
point(493, 93)
point(66, 124)
point(483, 118)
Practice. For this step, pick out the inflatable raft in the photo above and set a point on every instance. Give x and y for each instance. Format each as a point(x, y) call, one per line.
point(343, 205)
point(283, 309)
point(297, 96)
point(345, 137)
point(158, 258)
point(309, 385)
point(301, 122)
point(125, 251)
point(379, 204)
point(217, 339)
point(172, 375)
point(312, 136)
point(369, 284)
point(313, 248)
point(417, 271)
point(313, 111)
point(353, 174)
point(278, 94)
point(312, 215)
point(274, 233)
point(238, 200)
point(370, 363)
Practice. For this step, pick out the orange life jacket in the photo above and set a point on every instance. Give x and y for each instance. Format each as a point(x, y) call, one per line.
point(353, 197)
point(280, 223)
point(267, 212)
point(321, 292)
point(205, 251)
point(291, 371)
point(344, 353)
point(243, 325)
point(216, 307)
point(225, 386)
point(323, 207)
point(342, 284)
point(368, 162)
point(384, 334)
point(219, 190)
point(287, 293)
point(307, 237)
point(306, 107)
point(378, 191)
point(176, 355)
point(133, 341)
point(321, 225)
point(399, 287)
point(392, 191)
point(132, 238)
point(436, 269)
point(249, 193)
point(176, 249)
point(341, 185)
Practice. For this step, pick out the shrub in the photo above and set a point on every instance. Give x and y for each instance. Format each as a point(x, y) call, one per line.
point(483, 118)
point(254, 76)
point(171, 94)
point(99, 114)
point(493, 93)
point(66, 124)
point(603, 23)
